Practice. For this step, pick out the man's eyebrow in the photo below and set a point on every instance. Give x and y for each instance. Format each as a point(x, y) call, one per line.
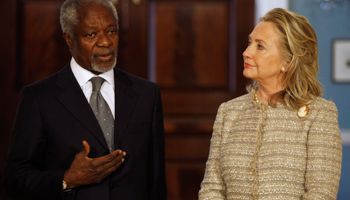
point(112, 25)
point(90, 27)
point(93, 27)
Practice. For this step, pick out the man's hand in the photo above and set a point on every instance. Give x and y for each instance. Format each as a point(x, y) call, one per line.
point(85, 170)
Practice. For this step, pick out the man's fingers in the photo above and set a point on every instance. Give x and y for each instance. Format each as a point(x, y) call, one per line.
point(120, 162)
point(117, 161)
point(86, 148)
point(111, 159)
point(113, 167)
point(120, 157)
point(107, 164)
point(93, 170)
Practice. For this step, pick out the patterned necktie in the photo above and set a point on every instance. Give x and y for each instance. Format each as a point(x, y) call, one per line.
point(102, 112)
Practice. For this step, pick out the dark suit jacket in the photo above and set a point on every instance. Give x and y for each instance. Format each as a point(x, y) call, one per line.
point(54, 117)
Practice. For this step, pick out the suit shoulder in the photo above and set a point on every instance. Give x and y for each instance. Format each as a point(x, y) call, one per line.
point(238, 103)
point(324, 109)
point(321, 103)
point(48, 85)
point(44, 84)
point(239, 100)
point(133, 80)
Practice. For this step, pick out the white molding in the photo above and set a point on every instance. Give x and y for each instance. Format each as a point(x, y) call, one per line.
point(264, 6)
point(345, 136)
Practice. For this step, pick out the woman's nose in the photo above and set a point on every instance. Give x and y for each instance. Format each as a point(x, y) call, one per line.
point(246, 53)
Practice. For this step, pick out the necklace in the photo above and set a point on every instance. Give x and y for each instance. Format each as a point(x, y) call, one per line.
point(256, 96)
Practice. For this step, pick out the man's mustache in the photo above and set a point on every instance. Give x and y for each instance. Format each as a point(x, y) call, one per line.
point(105, 52)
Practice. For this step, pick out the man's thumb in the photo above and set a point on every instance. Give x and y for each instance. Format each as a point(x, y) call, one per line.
point(86, 148)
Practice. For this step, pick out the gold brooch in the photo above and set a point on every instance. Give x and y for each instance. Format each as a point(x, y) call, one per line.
point(303, 112)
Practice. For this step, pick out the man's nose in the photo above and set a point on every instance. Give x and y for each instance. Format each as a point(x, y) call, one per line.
point(104, 41)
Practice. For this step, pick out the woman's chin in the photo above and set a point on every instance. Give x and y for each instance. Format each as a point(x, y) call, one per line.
point(247, 73)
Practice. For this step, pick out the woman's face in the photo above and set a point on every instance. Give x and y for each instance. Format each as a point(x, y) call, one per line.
point(262, 58)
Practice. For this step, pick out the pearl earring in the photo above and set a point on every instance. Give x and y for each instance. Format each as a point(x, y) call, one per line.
point(282, 70)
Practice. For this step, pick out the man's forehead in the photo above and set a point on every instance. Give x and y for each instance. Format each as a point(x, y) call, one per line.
point(89, 15)
point(91, 10)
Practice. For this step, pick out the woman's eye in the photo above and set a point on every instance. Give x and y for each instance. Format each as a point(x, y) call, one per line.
point(249, 42)
point(90, 35)
point(260, 46)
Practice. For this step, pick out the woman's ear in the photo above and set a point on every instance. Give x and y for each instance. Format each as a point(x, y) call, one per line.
point(287, 66)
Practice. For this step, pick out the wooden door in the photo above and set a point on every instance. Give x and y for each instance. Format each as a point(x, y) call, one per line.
point(196, 57)
point(191, 48)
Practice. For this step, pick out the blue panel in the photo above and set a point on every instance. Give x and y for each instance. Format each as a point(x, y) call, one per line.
point(344, 188)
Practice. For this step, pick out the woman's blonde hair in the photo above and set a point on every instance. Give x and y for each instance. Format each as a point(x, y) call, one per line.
point(298, 45)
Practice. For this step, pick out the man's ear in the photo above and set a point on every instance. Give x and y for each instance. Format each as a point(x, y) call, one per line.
point(69, 40)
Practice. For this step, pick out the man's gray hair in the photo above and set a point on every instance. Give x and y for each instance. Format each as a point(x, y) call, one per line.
point(69, 13)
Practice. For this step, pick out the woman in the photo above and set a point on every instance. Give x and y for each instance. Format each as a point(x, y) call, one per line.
point(281, 140)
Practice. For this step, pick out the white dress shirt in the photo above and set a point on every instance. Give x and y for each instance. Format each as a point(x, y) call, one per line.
point(83, 77)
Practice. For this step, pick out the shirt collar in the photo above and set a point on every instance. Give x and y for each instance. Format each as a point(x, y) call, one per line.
point(82, 75)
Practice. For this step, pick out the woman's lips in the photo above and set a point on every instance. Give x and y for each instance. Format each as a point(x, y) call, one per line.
point(247, 65)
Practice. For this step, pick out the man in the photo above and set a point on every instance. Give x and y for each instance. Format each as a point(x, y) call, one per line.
point(63, 146)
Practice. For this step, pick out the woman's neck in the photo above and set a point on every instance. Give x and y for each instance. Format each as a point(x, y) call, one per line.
point(264, 93)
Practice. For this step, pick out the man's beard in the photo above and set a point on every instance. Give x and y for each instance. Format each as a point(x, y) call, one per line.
point(97, 68)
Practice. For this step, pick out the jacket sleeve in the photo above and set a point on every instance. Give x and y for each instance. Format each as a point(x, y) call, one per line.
point(156, 169)
point(25, 176)
point(324, 155)
point(213, 186)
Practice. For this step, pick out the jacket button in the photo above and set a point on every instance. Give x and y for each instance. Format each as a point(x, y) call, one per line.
point(113, 186)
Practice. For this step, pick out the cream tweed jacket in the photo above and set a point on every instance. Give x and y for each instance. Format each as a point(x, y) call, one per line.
point(260, 152)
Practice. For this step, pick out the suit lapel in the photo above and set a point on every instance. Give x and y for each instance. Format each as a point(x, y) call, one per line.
point(73, 99)
point(125, 101)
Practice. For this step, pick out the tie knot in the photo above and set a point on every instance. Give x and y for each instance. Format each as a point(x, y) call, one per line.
point(96, 83)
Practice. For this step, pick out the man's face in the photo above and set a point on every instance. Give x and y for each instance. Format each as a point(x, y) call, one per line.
point(95, 42)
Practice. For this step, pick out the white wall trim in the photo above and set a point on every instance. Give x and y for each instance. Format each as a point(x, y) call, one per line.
point(264, 6)
point(345, 136)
